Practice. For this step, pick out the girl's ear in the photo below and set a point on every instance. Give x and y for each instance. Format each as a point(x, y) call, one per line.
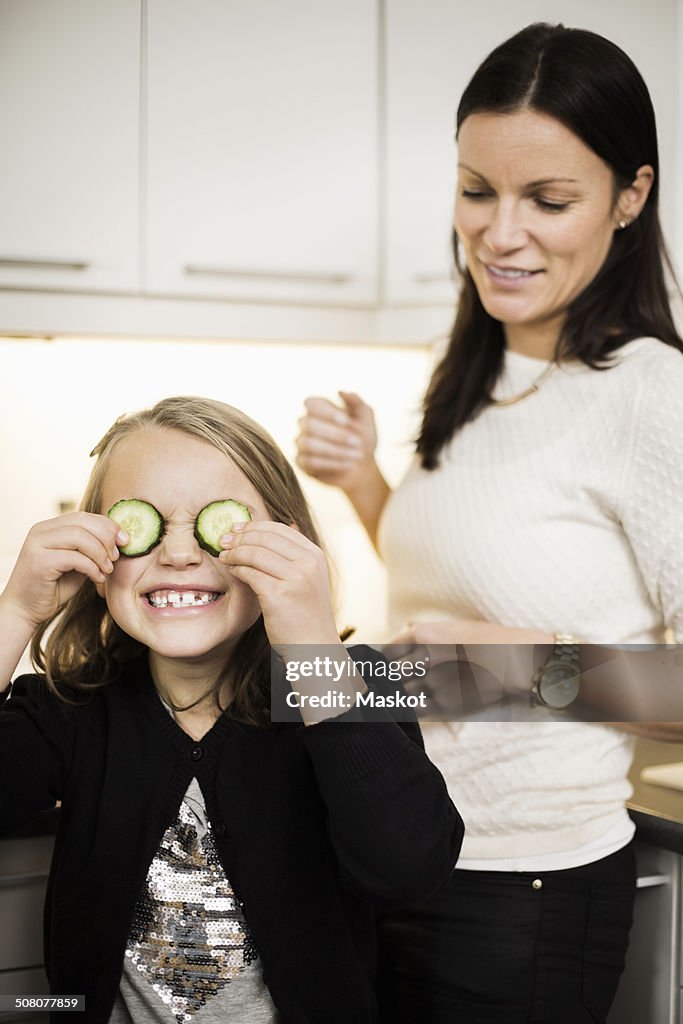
point(100, 588)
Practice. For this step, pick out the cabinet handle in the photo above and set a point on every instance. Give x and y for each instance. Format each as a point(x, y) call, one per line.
point(33, 876)
point(11, 261)
point(266, 275)
point(650, 881)
point(432, 278)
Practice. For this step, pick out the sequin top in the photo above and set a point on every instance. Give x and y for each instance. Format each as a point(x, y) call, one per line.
point(190, 956)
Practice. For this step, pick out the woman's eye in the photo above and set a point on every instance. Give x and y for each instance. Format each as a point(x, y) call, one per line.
point(547, 204)
point(469, 193)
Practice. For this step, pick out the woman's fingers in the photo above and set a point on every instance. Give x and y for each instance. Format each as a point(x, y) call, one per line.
point(406, 636)
point(347, 428)
point(403, 647)
point(335, 445)
point(342, 451)
point(324, 409)
point(355, 406)
point(323, 447)
point(322, 429)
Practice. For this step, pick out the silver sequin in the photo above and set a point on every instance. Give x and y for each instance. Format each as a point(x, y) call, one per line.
point(189, 937)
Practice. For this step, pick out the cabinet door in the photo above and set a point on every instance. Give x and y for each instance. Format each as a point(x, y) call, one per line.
point(69, 116)
point(432, 49)
point(648, 991)
point(261, 158)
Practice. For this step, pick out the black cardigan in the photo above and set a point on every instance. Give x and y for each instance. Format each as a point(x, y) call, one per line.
point(315, 827)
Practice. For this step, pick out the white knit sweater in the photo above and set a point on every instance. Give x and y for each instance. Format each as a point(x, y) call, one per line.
point(563, 512)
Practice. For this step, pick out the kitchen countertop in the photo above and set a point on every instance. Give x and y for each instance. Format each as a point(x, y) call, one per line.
point(657, 810)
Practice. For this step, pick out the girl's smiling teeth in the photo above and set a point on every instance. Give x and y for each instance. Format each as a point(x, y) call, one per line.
point(185, 598)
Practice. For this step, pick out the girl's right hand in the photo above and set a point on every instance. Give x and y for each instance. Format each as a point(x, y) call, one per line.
point(336, 444)
point(57, 557)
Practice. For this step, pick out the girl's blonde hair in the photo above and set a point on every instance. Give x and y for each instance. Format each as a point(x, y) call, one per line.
point(86, 648)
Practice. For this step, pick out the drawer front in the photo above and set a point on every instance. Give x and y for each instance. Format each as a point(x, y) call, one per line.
point(24, 983)
point(25, 856)
point(21, 921)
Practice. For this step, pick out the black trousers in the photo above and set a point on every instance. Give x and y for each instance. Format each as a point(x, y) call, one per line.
point(498, 947)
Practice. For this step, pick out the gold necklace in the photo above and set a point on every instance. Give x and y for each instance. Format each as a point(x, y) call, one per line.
point(535, 386)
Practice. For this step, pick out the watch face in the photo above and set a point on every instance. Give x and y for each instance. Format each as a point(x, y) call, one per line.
point(558, 686)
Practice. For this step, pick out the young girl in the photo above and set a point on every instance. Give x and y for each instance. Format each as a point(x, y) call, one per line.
point(209, 864)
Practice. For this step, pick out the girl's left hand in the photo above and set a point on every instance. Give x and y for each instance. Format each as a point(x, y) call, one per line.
point(288, 574)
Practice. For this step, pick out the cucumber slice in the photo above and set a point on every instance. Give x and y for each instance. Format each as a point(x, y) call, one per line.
point(216, 519)
point(142, 523)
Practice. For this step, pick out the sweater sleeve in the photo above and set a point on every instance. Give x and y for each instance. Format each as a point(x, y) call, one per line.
point(650, 506)
point(36, 736)
point(394, 829)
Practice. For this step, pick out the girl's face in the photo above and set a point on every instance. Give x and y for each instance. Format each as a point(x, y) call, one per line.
point(179, 475)
point(535, 214)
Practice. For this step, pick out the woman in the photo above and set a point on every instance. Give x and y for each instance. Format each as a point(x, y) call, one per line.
point(544, 507)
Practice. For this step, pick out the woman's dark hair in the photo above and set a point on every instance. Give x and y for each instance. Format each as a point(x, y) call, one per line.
point(593, 88)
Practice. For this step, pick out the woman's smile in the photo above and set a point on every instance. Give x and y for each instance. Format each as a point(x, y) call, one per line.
point(509, 277)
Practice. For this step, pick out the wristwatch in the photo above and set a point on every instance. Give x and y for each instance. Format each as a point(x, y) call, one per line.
point(556, 683)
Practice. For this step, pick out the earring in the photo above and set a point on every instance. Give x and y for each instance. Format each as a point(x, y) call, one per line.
point(623, 224)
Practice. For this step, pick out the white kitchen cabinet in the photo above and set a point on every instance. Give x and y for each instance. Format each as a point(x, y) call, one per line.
point(69, 118)
point(259, 170)
point(261, 157)
point(432, 50)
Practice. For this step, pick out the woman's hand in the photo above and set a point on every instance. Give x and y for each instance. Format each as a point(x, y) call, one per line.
point(336, 444)
point(448, 631)
point(469, 656)
point(288, 574)
point(469, 631)
point(57, 557)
